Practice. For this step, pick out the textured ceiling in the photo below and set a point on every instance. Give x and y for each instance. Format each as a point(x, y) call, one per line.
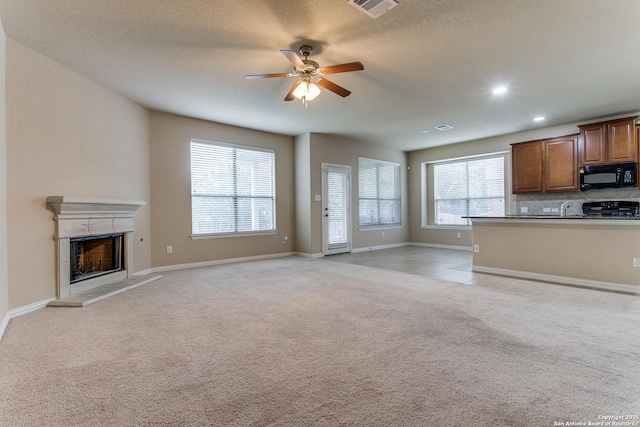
point(427, 62)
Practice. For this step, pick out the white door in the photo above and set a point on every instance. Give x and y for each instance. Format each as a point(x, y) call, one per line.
point(336, 212)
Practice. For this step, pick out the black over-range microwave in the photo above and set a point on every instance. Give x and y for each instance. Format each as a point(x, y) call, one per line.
point(608, 176)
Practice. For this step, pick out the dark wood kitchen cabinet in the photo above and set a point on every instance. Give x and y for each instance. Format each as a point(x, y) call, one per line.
point(526, 167)
point(638, 149)
point(608, 142)
point(561, 164)
point(546, 165)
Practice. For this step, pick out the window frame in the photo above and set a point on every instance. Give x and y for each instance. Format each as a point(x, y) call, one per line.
point(235, 195)
point(428, 205)
point(398, 200)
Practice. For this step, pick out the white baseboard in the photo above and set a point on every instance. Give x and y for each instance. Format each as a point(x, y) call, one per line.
point(3, 325)
point(143, 272)
point(20, 311)
point(437, 246)
point(218, 262)
point(620, 287)
point(307, 255)
point(379, 247)
point(390, 246)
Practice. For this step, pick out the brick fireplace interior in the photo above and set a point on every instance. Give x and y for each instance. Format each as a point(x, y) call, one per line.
point(95, 256)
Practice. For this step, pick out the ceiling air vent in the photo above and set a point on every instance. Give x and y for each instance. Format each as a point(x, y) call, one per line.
point(374, 8)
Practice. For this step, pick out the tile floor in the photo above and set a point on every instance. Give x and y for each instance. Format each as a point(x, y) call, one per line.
point(455, 266)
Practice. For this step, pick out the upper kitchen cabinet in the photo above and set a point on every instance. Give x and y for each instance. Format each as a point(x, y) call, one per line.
point(546, 165)
point(608, 142)
point(638, 148)
point(526, 167)
point(561, 164)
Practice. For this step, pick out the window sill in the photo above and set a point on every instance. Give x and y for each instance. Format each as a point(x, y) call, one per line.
point(379, 227)
point(447, 227)
point(226, 235)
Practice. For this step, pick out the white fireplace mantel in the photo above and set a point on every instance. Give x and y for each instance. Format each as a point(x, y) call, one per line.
point(73, 205)
point(77, 217)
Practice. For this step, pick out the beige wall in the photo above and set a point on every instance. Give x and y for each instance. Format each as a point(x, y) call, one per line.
point(66, 136)
point(448, 236)
point(589, 250)
point(334, 150)
point(304, 198)
point(4, 282)
point(171, 189)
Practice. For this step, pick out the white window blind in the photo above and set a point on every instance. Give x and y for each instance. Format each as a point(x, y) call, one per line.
point(473, 187)
point(379, 193)
point(232, 189)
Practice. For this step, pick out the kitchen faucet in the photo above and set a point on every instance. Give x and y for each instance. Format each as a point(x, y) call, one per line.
point(564, 207)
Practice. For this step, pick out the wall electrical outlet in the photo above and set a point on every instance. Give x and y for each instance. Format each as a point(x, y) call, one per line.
point(169, 249)
point(476, 248)
point(524, 209)
point(383, 234)
point(546, 209)
point(636, 262)
point(459, 235)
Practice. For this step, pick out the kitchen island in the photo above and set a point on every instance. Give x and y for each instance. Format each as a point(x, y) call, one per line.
point(576, 250)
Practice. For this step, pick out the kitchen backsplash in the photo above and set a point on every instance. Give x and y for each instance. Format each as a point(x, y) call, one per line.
point(549, 203)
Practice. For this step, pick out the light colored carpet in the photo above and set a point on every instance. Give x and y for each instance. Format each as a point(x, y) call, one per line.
point(301, 342)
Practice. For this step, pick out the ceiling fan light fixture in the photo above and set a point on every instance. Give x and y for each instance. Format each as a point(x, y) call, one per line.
point(312, 92)
point(306, 91)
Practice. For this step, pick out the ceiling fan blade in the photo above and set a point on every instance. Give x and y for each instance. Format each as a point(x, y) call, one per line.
point(333, 87)
point(290, 96)
point(342, 68)
point(294, 58)
point(266, 76)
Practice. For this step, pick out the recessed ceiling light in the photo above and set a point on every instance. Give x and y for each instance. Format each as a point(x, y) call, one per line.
point(444, 127)
point(499, 90)
point(538, 119)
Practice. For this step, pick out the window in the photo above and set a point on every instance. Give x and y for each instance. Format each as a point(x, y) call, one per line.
point(473, 187)
point(379, 193)
point(232, 189)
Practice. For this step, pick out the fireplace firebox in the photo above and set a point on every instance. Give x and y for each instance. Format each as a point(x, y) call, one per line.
point(94, 256)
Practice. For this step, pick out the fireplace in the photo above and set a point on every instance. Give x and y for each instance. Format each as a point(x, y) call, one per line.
point(95, 256)
point(94, 242)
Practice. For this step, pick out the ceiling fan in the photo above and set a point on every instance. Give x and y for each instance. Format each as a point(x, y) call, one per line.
point(310, 75)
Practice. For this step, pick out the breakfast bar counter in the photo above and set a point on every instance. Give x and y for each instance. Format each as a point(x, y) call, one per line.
point(577, 250)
